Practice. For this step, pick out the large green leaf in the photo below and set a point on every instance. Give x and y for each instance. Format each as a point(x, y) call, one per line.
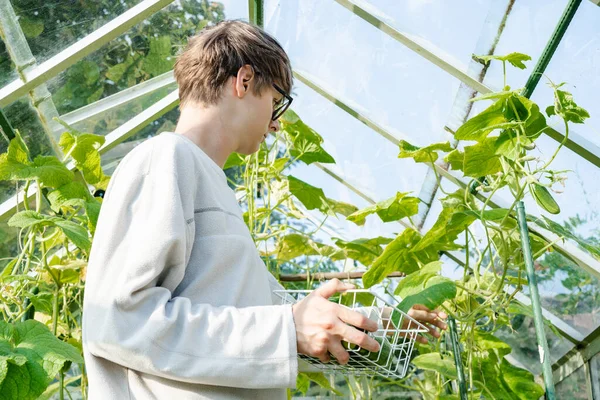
point(435, 362)
point(426, 289)
point(413, 283)
point(450, 223)
point(83, 148)
point(15, 165)
point(75, 232)
point(235, 159)
point(392, 209)
point(520, 381)
point(296, 245)
point(489, 342)
point(339, 207)
point(398, 257)
point(481, 159)
point(314, 198)
point(456, 159)
point(115, 73)
point(363, 250)
point(306, 143)
point(75, 194)
point(423, 154)
point(486, 372)
point(36, 358)
point(28, 218)
point(478, 127)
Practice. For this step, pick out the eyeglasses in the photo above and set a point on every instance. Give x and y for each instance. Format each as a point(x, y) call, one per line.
point(282, 105)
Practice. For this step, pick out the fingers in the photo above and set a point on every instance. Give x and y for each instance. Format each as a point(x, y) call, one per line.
point(357, 319)
point(355, 336)
point(337, 350)
point(422, 315)
point(332, 287)
point(431, 319)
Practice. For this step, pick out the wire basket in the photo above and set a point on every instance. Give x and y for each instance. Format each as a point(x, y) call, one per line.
point(396, 335)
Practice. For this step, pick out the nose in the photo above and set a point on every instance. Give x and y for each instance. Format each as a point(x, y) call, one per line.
point(274, 126)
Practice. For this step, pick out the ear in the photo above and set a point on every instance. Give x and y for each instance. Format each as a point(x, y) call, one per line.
point(244, 81)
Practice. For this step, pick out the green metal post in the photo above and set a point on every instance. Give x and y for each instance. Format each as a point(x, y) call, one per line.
point(535, 303)
point(551, 46)
point(255, 11)
point(462, 385)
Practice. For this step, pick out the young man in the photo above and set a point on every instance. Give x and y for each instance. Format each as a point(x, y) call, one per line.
point(178, 303)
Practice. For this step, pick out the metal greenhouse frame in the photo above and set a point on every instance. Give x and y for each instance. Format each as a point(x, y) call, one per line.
point(33, 77)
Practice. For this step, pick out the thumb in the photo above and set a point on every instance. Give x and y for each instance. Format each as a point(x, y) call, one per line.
point(332, 287)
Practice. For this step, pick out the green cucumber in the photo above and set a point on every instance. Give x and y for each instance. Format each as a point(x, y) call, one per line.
point(543, 197)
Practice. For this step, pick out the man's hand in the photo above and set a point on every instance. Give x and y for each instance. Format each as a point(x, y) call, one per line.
point(321, 325)
point(431, 319)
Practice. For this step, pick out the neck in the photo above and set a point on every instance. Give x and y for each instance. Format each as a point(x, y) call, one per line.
point(206, 127)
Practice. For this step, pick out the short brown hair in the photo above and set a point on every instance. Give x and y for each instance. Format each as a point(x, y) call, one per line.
point(218, 52)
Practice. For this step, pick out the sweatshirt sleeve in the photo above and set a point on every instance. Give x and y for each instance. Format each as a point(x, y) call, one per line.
point(131, 318)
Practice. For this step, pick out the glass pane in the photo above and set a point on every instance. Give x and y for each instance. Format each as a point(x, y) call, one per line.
point(523, 341)
point(576, 62)
point(106, 121)
point(145, 51)
point(7, 68)
point(363, 158)
point(595, 375)
point(568, 292)
point(364, 66)
point(52, 26)
point(528, 28)
point(333, 189)
point(437, 24)
point(573, 386)
point(24, 118)
point(580, 194)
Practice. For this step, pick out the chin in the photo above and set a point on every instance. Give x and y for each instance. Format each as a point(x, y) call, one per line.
point(247, 151)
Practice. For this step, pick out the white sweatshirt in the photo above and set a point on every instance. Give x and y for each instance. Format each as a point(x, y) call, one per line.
point(178, 304)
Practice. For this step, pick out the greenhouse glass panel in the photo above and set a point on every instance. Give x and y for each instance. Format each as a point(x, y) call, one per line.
point(595, 375)
point(106, 121)
point(52, 26)
point(7, 67)
point(428, 23)
point(364, 158)
point(521, 337)
point(528, 29)
point(389, 82)
point(337, 191)
point(573, 386)
point(23, 116)
point(576, 62)
point(568, 292)
point(145, 51)
point(578, 196)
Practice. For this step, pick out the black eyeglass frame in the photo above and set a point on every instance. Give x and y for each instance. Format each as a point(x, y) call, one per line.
point(277, 112)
